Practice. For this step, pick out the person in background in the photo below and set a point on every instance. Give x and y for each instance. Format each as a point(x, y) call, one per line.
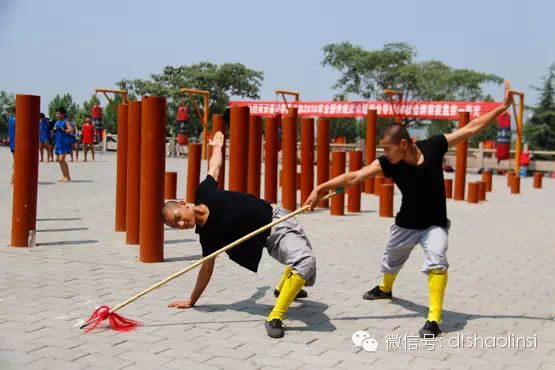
point(44, 137)
point(96, 115)
point(11, 135)
point(63, 140)
point(75, 141)
point(87, 137)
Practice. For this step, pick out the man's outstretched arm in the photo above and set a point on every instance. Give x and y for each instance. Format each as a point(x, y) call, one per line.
point(203, 278)
point(478, 124)
point(216, 159)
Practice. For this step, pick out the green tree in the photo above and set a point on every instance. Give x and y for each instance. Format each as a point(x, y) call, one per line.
point(65, 101)
point(7, 102)
point(110, 115)
point(85, 109)
point(351, 128)
point(367, 73)
point(222, 81)
point(539, 130)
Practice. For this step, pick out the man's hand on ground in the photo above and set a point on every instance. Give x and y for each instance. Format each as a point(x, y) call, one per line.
point(181, 304)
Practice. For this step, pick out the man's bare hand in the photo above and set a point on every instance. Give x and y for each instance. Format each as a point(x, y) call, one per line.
point(181, 304)
point(313, 198)
point(218, 140)
point(509, 99)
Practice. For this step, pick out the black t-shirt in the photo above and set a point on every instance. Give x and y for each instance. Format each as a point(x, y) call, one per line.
point(232, 215)
point(423, 204)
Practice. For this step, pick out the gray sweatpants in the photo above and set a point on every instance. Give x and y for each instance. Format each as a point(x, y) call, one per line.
point(289, 245)
point(402, 241)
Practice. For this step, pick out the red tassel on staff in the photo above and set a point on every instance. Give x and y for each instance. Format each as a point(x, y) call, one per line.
point(117, 322)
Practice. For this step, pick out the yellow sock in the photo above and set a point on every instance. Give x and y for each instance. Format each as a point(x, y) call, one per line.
point(284, 276)
point(291, 287)
point(388, 279)
point(437, 281)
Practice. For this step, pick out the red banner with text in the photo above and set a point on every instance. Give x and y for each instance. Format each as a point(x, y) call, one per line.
point(412, 109)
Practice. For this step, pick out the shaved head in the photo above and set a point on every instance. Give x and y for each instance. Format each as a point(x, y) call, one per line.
point(395, 133)
point(168, 211)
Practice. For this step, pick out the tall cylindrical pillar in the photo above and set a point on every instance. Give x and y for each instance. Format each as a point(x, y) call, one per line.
point(448, 188)
point(378, 181)
point(255, 155)
point(270, 159)
point(337, 204)
point(323, 155)
point(153, 167)
point(371, 123)
point(170, 185)
point(460, 167)
point(193, 171)
point(26, 168)
point(121, 172)
point(353, 193)
point(289, 162)
point(133, 191)
point(238, 148)
point(307, 157)
point(386, 200)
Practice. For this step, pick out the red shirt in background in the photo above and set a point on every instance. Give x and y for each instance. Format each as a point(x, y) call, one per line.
point(182, 113)
point(87, 133)
point(96, 111)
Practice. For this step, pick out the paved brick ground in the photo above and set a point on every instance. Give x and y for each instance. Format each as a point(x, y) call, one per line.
point(501, 278)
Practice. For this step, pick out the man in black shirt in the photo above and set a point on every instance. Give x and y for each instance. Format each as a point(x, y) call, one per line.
point(416, 169)
point(222, 217)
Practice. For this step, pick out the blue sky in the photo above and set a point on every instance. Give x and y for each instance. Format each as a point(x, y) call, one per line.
point(57, 46)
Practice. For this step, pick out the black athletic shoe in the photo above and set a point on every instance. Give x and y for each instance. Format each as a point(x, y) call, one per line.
point(301, 294)
point(274, 328)
point(376, 293)
point(429, 330)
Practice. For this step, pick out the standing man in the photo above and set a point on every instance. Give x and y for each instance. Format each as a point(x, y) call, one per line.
point(63, 141)
point(96, 115)
point(11, 136)
point(416, 169)
point(74, 140)
point(44, 137)
point(87, 136)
